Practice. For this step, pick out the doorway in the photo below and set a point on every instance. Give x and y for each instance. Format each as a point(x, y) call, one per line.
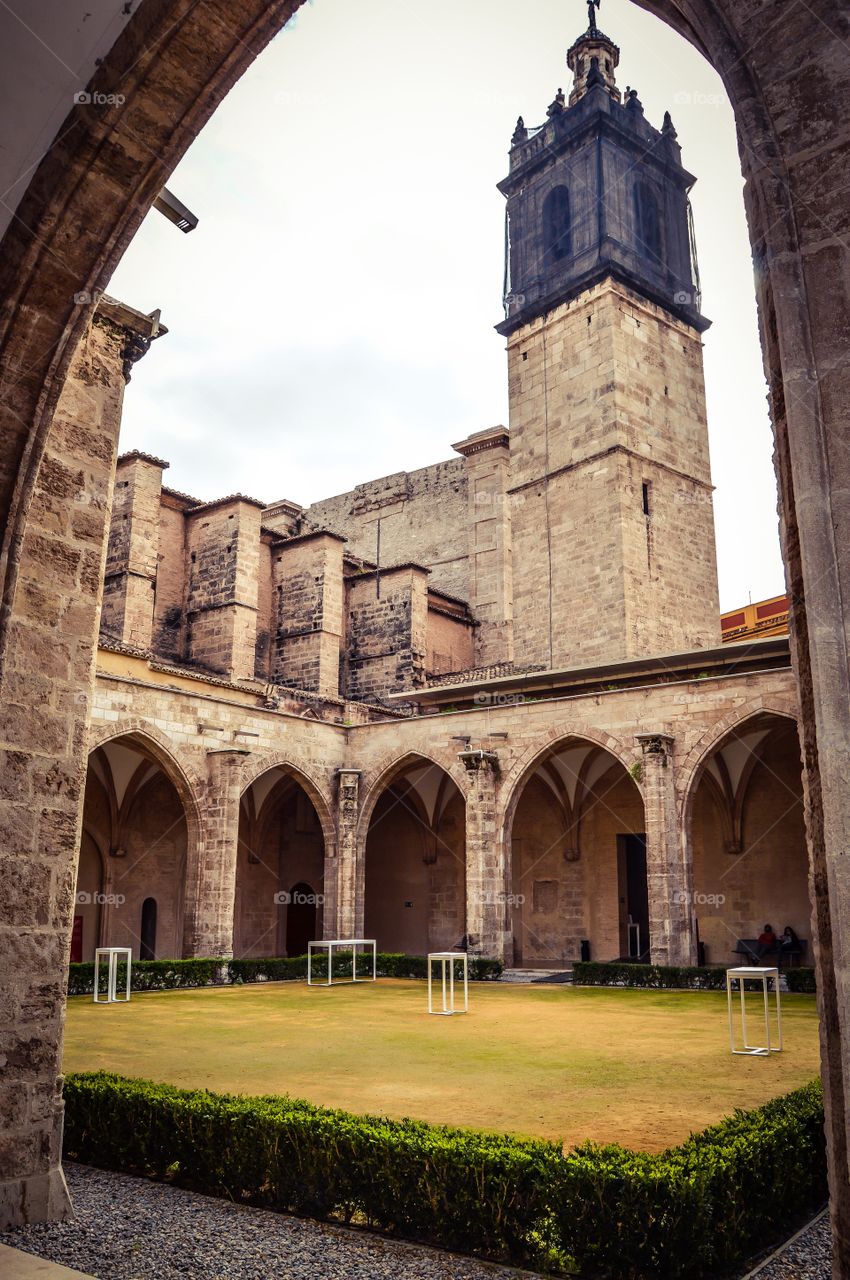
point(300, 919)
point(634, 898)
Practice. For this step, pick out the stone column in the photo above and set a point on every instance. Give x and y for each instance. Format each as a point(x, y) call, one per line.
point(487, 917)
point(46, 678)
point(212, 896)
point(672, 937)
point(347, 921)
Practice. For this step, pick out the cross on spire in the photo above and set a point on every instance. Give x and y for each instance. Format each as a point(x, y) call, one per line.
point(592, 6)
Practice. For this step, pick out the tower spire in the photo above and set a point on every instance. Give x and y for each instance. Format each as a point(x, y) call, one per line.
point(593, 59)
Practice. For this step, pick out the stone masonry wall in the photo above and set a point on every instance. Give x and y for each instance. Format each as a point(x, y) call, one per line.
point(132, 552)
point(308, 591)
point(607, 395)
point(387, 632)
point(169, 620)
point(423, 516)
point(224, 553)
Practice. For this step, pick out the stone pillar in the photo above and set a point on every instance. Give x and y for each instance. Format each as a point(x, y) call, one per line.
point(308, 577)
point(133, 552)
point(45, 693)
point(212, 896)
point(347, 921)
point(488, 469)
point(224, 547)
point(487, 916)
point(672, 937)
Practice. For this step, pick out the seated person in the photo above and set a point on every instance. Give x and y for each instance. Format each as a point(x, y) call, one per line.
point(789, 942)
point(767, 941)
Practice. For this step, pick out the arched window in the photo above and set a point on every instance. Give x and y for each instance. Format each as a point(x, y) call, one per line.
point(557, 233)
point(647, 222)
point(147, 948)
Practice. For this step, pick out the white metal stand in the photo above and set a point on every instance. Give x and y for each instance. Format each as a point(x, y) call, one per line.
point(112, 953)
point(328, 944)
point(762, 975)
point(447, 980)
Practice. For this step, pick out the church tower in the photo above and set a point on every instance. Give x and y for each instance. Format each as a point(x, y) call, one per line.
point(611, 495)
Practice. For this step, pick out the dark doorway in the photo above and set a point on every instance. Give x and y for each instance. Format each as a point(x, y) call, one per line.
point(634, 897)
point(147, 947)
point(300, 919)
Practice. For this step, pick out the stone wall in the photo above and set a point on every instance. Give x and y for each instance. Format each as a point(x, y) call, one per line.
point(423, 519)
point(607, 396)
point(387, 631)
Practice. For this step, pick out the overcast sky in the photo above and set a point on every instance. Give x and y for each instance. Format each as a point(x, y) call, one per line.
point(331, 318)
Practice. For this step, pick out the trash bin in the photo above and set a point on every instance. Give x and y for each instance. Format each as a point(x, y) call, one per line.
point(585, 948)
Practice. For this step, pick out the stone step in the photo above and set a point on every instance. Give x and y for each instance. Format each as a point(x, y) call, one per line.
point(537, 976)
point(15, 1265)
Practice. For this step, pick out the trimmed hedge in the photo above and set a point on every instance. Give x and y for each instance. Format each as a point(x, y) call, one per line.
point(169, 975)
point(693, 977)
point(603, 974)
point(801, 979)
point(694, 1211)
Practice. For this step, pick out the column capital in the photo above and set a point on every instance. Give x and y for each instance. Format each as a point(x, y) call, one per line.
point(655, 744)
point(477, 760)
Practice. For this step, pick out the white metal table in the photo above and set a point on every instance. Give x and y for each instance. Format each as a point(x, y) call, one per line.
point(112, 954)
point(447, 961)
point(763, 975)
point(329, 944)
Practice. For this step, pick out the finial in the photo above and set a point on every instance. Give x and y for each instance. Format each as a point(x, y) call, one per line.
point(592, 6)
point(520, 133)
point(668, 128)
point(633, 102)
point(559, 105)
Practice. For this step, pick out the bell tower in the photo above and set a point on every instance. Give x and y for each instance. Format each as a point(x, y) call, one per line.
point(611, 494)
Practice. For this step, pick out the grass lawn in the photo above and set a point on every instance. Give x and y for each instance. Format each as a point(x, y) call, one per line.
point(641, 1068)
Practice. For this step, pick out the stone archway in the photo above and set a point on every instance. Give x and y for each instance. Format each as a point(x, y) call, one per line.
point(411, 881)
point(176, 60)
point(575, 835)
point(743, 827)
point(282, 847)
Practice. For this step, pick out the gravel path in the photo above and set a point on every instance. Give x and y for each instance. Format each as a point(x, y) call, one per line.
point(808, 1256)
point(131, 1229)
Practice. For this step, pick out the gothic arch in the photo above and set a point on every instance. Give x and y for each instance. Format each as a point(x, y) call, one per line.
point(690, 770)
point(514, 782)
point(186, 783)
point(390, 767)
point(411, 854)
point(254, 768)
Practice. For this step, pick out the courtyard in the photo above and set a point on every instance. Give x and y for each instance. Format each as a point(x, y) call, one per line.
point(641, 1068)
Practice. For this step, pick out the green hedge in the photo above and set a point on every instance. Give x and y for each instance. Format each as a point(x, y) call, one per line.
point(697, 977)
point(704, 978)
point(801, 979)
point(168, 975)
point(694, 1211)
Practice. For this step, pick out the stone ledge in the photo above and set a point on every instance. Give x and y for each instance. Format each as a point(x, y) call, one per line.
point(15, 1265)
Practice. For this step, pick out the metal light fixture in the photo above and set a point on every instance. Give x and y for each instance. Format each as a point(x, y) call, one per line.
point(175, 211)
